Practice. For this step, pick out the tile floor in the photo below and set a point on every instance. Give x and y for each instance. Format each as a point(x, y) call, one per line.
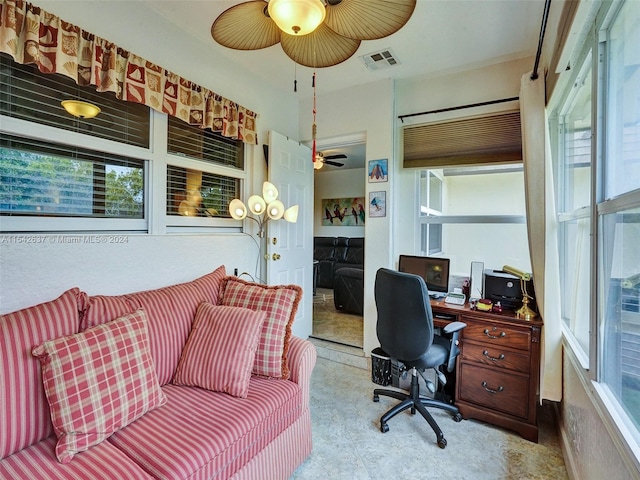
point(333, 325)
point(348, 443)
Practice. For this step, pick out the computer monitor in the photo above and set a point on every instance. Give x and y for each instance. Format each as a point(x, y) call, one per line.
point(434, 271)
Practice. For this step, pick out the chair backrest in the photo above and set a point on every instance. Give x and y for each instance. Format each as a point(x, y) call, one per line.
point(405, 320)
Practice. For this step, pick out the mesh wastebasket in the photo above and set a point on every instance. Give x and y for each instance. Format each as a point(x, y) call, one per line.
point(380, 367)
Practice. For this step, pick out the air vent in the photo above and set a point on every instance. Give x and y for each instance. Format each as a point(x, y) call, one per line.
point(379, 60)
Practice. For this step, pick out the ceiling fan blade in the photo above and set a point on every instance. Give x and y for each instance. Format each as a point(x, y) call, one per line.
point(321, 48)
point(335, 157)
point(368, 19)
point(335, 164)
point(245, 27)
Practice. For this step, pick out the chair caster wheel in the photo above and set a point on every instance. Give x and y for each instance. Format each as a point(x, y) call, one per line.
point(442, 443)
point(384, 428)
point(457, 417)
point(376, 398)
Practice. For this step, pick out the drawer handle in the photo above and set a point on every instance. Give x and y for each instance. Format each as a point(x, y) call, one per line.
point(486, 332)
point(484, 385)
point(495, 359)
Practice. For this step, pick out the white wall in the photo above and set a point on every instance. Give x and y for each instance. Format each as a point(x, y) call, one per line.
point(369, 109)
point(337, 184)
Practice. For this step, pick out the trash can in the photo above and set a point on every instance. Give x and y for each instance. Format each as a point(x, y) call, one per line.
point(380, 367)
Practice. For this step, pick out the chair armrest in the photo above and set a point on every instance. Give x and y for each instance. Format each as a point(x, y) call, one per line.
point(301, 359)
point(454, 327)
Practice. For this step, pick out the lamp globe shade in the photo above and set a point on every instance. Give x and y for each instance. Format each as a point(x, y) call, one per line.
point(297, 17)
point(237, 209)
point(256, 204)
point(291, 214)
point(269, 192)
point(275, 210)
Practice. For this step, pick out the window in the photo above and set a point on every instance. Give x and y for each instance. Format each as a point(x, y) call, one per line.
point(475, 214)
point(193, 193)
point(189, 141)
point(430, 205)
point(28, 94)
point(574, 199)
point(202, 187)
point(619, 215)
point(46, 179)
point(61, 173)
point(597, 156)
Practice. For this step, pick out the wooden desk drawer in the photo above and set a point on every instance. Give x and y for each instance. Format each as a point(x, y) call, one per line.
point(499, 391)
point(489, 333)
point(495, 357)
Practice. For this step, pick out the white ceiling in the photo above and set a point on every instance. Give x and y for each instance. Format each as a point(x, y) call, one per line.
point(442, 36)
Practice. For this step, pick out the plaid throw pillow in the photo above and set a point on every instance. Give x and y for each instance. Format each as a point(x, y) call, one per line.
point(98, 381)
point(280, 303)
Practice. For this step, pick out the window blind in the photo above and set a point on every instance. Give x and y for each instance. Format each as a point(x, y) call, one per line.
point(195, 193)
point(485, 140)
point(29, 94)
point(202, 144)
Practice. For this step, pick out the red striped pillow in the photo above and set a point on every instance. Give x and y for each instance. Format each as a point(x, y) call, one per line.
point(98, 381)
point(280, 303)
point(170, 311)
point(220, 350)
point(24, 412)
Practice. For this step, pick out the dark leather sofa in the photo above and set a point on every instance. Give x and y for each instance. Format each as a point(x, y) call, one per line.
point(341, 267)
point(334, 253)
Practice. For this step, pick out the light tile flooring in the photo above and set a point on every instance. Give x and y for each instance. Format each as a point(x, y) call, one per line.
point(348, 443)
point(333, 325)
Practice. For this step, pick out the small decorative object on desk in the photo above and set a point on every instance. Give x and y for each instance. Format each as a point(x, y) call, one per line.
point(497, 308)
point(484, 305)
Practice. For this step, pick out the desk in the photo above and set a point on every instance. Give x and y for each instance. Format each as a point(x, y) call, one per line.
point(498, 369)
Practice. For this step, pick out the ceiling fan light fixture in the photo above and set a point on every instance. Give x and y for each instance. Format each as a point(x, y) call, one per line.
point(297, 17)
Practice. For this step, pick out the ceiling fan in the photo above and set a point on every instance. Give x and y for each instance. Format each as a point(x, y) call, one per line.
point(313, 33)
point(321, 159)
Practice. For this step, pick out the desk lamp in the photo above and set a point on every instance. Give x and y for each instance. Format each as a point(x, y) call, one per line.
point(525, 312)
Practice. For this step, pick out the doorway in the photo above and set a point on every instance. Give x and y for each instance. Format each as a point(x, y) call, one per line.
point(342, 177)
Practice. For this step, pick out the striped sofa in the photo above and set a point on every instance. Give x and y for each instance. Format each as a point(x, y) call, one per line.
point(188, 433)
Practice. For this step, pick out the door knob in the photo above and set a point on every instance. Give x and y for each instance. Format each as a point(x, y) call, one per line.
point(276, 256)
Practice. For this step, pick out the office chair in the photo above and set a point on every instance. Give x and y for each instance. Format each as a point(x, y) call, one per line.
point(406, 334)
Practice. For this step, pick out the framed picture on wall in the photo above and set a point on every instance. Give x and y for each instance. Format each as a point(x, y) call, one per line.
point(377, 204)
point(343, 212)
point(378, 171)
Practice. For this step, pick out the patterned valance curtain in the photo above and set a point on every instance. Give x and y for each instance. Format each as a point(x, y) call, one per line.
point(31, 35)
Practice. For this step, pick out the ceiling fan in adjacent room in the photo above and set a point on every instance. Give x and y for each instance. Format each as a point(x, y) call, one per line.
point(313, 33)
point(321, 159)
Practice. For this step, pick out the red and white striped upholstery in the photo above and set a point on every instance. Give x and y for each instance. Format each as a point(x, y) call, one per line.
point(24, 412)
point(38, 462)
point(220, 349)
point(98, 381)
point(280, 302)
point(170, 312)
point(201, 434)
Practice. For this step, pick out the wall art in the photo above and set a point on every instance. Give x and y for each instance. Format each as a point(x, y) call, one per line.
point(346, 212)
point(378, 171)
point(377, 204)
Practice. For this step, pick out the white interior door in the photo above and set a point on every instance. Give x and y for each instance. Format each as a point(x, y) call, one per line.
point(290, 245)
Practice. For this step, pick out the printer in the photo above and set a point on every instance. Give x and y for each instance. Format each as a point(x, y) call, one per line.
point(505, 288)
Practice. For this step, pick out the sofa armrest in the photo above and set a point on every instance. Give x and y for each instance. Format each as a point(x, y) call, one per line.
point(302, 359)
